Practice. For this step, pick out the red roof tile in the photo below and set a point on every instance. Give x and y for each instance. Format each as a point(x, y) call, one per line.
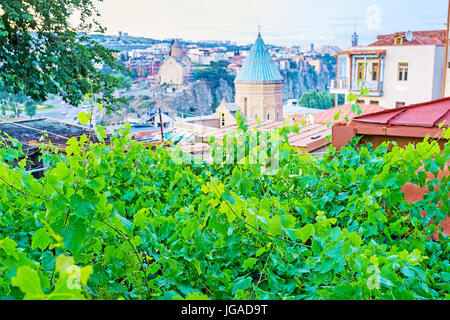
point(433, 37)
point(428, 114)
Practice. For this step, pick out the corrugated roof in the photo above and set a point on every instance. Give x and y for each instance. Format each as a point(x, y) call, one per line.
point(310, 137)
point(328, 115)
point(290, 109)
point(429, 114)
point(259, 66)
point(23, 130)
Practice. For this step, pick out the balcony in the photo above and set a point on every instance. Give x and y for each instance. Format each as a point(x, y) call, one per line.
point(375, 87)
point(339, 85)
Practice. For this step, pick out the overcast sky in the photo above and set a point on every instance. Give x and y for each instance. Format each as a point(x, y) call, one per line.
point(282, 21)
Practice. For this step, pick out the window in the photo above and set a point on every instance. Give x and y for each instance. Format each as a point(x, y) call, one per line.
point(359, 101)
point(277, 118)
point(268, 116)
point(342, 67)
point(222, 119)
point(360, 71)
point(399, 104)
point(402, 72)
point(398, 40)
point(375, 71)
point(374, 102)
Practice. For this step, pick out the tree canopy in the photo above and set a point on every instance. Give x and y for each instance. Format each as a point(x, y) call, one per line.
point(42, 52)
point(313, 99)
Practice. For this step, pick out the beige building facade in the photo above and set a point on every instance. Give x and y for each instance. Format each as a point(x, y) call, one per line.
point(398, 70)
point(176, 69)
point(263, 101)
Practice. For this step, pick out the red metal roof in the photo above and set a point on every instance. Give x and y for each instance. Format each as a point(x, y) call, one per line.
point(328, 115)
point(429, 114)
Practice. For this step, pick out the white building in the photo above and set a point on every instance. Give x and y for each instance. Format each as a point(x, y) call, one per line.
point(399, 69)
point(154, 119)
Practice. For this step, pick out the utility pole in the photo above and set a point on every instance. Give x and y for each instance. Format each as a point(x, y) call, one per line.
point(161, 123)
point(444, 81)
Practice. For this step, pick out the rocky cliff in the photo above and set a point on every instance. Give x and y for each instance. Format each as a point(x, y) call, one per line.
point(201, 97)
point(296, 82)
point(197, 98)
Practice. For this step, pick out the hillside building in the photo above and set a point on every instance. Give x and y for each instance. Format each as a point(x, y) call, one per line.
point(398, 69)
point(177, 68)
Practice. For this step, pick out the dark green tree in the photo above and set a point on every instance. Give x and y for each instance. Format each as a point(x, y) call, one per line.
point(313, 99)
point(30, 108)
point(125, 82)
point(42, 53)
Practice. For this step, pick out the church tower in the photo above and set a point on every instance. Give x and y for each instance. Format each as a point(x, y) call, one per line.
point(355, 38)
point(259, 85)
point(176, 49)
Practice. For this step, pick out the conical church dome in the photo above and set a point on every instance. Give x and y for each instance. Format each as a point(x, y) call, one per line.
point(259, 66)
point(176, 50)
point(176, 44)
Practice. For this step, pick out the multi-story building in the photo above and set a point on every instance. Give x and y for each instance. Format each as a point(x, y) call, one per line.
point(144, 66)
point(398, 69)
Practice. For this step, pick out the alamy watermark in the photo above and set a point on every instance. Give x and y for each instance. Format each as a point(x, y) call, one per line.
point(252, 147)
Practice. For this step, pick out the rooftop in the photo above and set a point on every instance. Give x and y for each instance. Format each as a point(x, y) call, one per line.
point(428, 114)
point(432, 37)
point(328, 115)
point(404, 125)
point(259, 66)
point(24, 130)
point(309, 139)
point(292, 109)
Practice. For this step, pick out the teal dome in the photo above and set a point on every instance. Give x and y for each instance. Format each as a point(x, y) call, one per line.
point(259, 66)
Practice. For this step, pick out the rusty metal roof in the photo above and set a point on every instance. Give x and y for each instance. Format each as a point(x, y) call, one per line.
point(429, 114)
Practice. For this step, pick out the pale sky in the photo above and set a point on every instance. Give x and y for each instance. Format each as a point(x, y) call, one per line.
point(283, 22)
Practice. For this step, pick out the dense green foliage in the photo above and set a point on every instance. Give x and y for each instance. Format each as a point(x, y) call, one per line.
point(316, 100)
point(41, 53)
point(123, 220)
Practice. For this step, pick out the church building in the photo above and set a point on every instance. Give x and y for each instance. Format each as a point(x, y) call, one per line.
point(259, 88)
point(177, 68)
